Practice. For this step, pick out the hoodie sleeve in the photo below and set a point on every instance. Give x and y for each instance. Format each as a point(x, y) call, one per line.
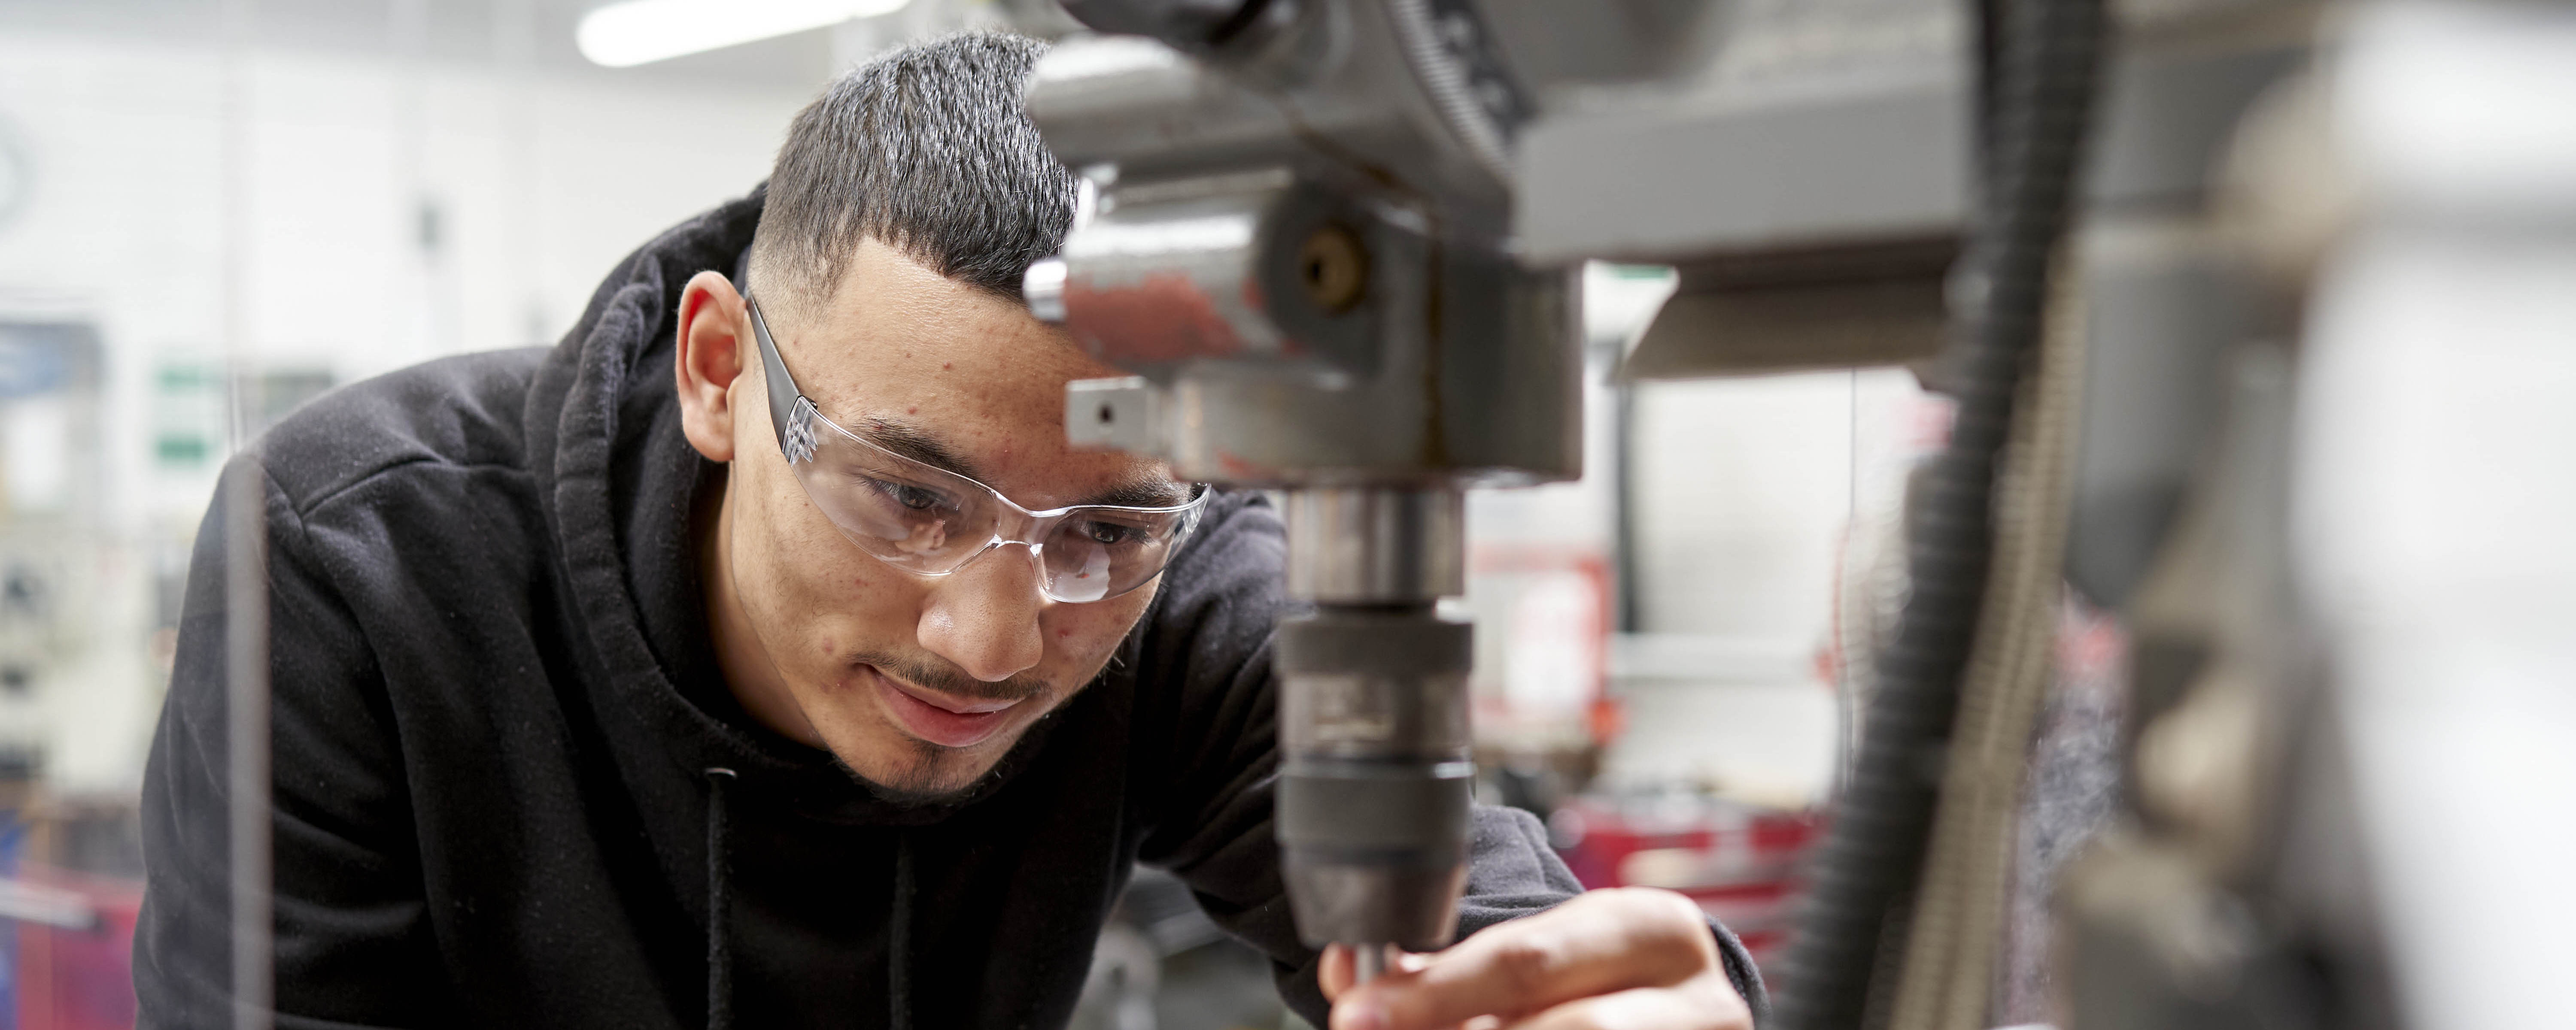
point(1209, 645)
point(352, 946)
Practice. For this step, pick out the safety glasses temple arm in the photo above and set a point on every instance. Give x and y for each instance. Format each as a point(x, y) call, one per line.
point(783, 393)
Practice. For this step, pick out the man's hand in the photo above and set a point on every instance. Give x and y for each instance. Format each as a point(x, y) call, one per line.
point(1625, 959)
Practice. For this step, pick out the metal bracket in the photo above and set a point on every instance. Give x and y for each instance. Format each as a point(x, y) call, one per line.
point(1124, 414)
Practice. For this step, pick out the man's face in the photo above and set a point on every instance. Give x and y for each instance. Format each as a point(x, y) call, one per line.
point(918, 684)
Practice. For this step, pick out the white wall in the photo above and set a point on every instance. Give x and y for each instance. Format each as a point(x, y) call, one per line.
point(1742, 491)
point(542, 182)
point(1743, 487)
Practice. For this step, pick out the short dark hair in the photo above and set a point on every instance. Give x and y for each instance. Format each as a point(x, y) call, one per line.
point(928, 150)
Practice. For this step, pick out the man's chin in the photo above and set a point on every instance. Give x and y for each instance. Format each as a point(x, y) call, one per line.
point(923, 774)
point(920, 792)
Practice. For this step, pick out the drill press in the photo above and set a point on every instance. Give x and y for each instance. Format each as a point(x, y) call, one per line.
point(1304, 264)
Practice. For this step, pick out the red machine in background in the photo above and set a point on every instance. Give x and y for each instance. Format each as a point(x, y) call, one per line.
point(70, 888)
point(1738, 861)
point(74, 947)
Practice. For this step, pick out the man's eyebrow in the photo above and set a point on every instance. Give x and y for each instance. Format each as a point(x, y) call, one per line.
point(920, 445)
point(1143, 493)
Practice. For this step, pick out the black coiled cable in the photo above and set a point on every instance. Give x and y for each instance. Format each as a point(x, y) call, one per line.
point(2037, 101)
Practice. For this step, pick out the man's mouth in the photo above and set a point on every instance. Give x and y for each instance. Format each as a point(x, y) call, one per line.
point(940, 718)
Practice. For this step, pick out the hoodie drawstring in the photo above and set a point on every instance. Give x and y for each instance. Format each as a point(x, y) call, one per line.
point(719, 903)
point(899, 937)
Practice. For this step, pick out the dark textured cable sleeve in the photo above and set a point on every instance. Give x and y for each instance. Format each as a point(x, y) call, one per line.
point(2039, 99)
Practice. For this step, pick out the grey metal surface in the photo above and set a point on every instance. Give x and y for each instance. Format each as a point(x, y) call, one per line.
point(1043, 287)
point(1368, 963)
point(1811, 182)
point(1864, 162)
point(1368, 708)
point(1373, 717)
point(1149, 109)
point(1330, 93)
point(1451, 364)
point(2168, 296)
point(1185, 270)
point(1371, 641)
point(1122, 414)
point(1615, 41)
point(1885, 304)
point(1411, 907)
point(2169, 113)
point(1360, 545)
point(1180, 22)
point(1477, 380)
point(2166, 302)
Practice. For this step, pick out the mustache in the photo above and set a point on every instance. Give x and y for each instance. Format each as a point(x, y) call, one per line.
point(947, 678)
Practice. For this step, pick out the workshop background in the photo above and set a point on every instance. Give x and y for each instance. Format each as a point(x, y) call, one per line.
point(204, 223)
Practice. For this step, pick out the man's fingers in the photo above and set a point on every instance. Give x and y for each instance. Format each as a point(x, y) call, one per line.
point(1599, 943)
point(1336, 968)
point(1643, 1008)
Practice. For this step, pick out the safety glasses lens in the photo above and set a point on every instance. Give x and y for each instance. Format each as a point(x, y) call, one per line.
point(928, 521)
point(1096, 553)
point(898, 517)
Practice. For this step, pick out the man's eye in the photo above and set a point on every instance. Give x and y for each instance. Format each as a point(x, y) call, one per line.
point(910, 496)
point(1110, 534)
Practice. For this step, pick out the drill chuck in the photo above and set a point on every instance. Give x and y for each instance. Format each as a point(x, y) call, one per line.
point(1373, 796)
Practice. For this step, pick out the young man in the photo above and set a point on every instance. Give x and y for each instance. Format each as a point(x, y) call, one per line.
point(593, 710)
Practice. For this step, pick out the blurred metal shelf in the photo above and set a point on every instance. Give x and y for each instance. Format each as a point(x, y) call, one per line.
point(1697, 659)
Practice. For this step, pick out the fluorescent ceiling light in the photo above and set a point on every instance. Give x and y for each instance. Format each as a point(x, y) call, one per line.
point(637, 32)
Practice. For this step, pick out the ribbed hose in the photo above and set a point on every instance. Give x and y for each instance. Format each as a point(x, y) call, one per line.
point(1957, 925)
point(2041, 91)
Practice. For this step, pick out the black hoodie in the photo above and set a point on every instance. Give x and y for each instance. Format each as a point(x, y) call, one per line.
point(512, 788)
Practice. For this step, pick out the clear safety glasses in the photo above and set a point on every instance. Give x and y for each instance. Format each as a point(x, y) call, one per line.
point(928, 520)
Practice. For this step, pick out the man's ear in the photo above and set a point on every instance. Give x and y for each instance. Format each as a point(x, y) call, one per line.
point(712, 351)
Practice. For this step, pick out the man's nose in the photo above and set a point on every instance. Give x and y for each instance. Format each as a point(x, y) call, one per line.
point(985, 616)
